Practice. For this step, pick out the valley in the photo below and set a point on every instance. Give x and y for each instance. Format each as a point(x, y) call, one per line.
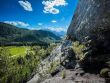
point(55, 41)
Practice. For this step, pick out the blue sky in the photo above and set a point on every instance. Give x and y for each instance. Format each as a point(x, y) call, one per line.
point(38, 14)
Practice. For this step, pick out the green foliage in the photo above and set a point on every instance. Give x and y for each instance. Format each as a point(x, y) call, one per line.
point(19, 69)
point(77, 47)
point(11, 35)
point(16, 51)
point(104, 72)
point(53, 67)
point(63, 74)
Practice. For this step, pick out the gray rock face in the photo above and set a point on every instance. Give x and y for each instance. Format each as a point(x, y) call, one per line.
point(92, 19)
point(61, 57)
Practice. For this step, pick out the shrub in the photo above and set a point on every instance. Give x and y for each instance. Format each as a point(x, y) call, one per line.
point(104, 72)
point(77, 47)
point(20, 61)
point(63, 74)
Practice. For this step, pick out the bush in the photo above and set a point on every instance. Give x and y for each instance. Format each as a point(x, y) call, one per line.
point(20, 61)
point(77, 47)
point(63, 74)
point(104, 72)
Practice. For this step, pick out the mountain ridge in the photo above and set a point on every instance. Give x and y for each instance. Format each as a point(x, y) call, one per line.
point(10, 33)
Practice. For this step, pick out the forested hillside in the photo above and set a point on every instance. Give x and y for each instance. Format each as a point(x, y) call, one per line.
point(10, 34)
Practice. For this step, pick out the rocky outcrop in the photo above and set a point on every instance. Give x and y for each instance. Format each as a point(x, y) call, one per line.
point(91, 25)
point(62, 57)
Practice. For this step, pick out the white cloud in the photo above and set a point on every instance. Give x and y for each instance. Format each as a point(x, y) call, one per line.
point(40, 24)
point(53, 21)
point(51, 29)
point(57, 29)
point(17, 23)
point(49, 6)
point(26, 5)
point(52, 10)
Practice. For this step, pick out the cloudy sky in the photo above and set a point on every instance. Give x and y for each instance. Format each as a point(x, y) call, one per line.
point(38, 14)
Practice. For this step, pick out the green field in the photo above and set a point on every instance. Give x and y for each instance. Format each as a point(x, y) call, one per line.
point(16, 51)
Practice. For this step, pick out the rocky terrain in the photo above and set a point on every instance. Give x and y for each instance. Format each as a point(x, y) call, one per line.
point(63, 67)
point(91, 27)
point(50, 66)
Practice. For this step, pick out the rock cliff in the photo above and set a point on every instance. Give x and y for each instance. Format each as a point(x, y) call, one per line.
point(91, 25)
point(92, 19)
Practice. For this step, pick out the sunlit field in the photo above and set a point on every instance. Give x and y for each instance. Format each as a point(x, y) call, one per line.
point(16, 51)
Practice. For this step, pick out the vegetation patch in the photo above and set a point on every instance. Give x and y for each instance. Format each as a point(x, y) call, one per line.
point(21, 68)
point(63, 74)
point(104, 72)
point(77, 47)
point(53, 67)
point(17, 51)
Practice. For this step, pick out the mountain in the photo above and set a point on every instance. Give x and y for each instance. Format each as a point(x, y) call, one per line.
point(57, 33)
point(60, 33)
point(10, 33)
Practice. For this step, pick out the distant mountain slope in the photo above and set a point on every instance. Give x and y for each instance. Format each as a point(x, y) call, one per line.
point(57, 33)
point(61, 33)
point(10, 33)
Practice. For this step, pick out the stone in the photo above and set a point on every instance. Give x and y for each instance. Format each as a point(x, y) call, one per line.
point(91, 25)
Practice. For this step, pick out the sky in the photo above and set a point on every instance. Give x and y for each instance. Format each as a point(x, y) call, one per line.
point(38, 14)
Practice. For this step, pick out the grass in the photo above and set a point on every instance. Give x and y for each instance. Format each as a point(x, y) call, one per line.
point(16, 51)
